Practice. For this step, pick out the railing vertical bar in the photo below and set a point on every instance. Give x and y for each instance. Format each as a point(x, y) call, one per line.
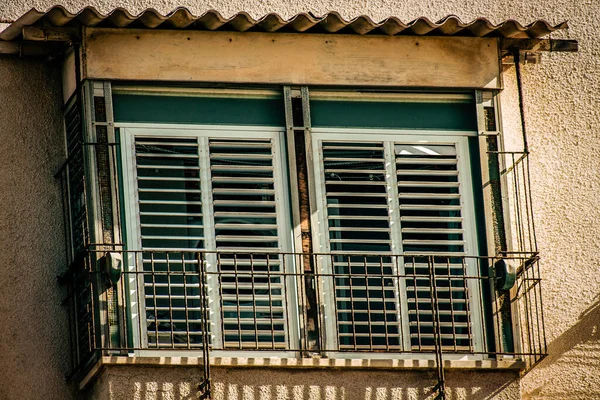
point(417, 313)
point(253, 285)
point(400, 317)
point(437, 334)
point(536, 310)
point(169, 279)
point(123, 313)
point(204, 312)
point(152, 266)
point(91, 329)
point(185, 299)
point(354, 341)
point(467, 305)
point(271, 299)
point(302, 311)
point(237, 302)
point(109, 296)
point(528, 288)
point(518, 297)
point(522, 215)
point(137, 270)
point(450, 289)
point(482, 305)
point(517, 204)
point(528, 191)
point(498, 315)
point(369, 314)
point(384, 304)
point(285, 281)
point(497, 319)
point(319, 320)
point(219, 272)
point(527, 315)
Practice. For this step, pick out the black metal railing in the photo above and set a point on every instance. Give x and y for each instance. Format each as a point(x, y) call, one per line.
point(196, 302)
point(517, 178)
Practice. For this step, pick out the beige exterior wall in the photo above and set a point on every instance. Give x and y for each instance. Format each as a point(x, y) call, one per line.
point(562, 114)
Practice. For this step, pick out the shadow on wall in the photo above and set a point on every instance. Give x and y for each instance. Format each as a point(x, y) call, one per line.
point(132, 382)
point(575, 354)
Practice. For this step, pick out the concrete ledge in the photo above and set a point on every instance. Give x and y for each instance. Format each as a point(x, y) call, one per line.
point(298, 363)
point(311, 362)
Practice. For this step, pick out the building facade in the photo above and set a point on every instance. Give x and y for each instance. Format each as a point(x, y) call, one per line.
point(340, 209)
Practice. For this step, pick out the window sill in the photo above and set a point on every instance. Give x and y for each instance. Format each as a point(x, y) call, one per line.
point(299, 363)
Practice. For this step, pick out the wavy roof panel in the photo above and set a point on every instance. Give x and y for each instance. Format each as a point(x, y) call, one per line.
point(332, 22)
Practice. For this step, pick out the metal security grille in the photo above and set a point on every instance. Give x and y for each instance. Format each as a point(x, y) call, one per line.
point(429, 193)
point(245, 206)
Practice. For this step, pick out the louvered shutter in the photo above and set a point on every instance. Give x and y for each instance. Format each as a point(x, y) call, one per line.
point(246, 207)
point(209, 190)
point(172, 226)
point(432, 224)
point(406, 196)
point(358, 223)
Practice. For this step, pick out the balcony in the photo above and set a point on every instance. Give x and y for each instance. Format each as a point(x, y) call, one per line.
point(240, 304)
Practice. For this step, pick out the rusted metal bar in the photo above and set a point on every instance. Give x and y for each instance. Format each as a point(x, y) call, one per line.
point(62, 34)
point(537, 45)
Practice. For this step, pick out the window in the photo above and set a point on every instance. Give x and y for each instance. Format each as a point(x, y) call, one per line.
point(205, 183)
point(397, 194)
point(216, 189)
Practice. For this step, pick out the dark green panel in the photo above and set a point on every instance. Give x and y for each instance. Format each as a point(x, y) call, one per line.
point(399, 115)
point(198, 110)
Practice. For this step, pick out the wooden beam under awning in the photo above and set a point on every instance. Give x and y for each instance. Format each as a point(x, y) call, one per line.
point(290, 58)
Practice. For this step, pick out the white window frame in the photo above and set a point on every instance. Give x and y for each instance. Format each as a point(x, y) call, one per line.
point(127, 132)
point(457, 138)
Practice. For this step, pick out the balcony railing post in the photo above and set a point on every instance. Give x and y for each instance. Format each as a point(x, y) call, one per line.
point(437, 334)
point(205, 386)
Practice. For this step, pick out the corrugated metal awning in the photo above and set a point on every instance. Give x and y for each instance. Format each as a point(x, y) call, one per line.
point(332, 22)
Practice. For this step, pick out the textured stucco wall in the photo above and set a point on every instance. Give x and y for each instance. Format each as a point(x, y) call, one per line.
point(561, 97)
point(33, 341)
point(135, 382)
